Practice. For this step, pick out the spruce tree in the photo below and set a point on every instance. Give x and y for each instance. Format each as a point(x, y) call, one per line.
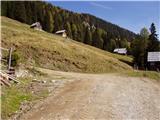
point(19, 11)
point(154, 44)
point(49, 21)
point(3, 8)
point(57, 22)
point(29, 19)
point(88, 37)
point(68, 29)
point(74, 31)
point(97, 38)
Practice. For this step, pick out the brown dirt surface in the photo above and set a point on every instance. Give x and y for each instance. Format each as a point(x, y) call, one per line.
point(100, 97)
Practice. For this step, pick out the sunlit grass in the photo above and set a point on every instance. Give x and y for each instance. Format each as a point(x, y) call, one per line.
point(50, 51)
point(146, 74)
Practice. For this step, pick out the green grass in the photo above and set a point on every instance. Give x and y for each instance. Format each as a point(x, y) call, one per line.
point(13, 96)
point(11, 99)
point(50, 51)
point(147, 74)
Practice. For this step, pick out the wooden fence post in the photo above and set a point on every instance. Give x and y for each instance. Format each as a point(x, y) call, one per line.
point(9, 59)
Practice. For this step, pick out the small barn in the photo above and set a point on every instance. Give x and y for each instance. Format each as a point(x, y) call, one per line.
point(62, 33)
point(36, 26)
point(153, 60)
point(122, 51)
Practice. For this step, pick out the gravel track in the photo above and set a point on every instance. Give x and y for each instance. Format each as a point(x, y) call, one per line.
point(100, 97)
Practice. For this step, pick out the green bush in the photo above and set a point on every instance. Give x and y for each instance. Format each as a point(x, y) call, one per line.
point(14, 59)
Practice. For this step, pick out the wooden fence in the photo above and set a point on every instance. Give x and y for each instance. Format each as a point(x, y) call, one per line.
point(6, 74)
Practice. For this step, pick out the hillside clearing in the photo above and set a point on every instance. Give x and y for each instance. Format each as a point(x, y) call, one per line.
point(50, 51)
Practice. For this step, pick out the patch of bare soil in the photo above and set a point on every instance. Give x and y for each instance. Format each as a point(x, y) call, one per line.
point(101, 97)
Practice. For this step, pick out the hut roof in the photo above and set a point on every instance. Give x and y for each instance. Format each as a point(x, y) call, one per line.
point(120, 50)
point(60, 31)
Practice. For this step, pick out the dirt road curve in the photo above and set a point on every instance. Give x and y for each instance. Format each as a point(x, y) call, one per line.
point(101, 97)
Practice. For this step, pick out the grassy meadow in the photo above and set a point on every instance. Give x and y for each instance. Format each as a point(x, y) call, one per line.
point(42, 49)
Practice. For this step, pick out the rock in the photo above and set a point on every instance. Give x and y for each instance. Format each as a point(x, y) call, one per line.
point(44, 81)
point(53, 81)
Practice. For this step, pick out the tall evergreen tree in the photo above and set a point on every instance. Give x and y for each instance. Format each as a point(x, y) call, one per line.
point(111, 45)
point(58, 22)
point(4, 8)
point(154, 44)
point(28, 13)
point(74, 31)
point(123, 43)
point(88, 37)
point(49, 21)
point(68, 29)
point(19, 11)
point(97, 40)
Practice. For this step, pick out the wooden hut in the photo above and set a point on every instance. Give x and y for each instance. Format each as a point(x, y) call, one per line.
point(36, 26)
point(153, 60)
point(62, 33)
point(122, 51)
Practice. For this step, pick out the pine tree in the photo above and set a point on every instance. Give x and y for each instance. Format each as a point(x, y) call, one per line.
point(3, 8)
point(68, 29)
point(97, 38)
point(123, 43)
point(74, 31)
point(57, 22)
point(19, 11)
point(49, 21)
point(111, 45)
point(41, 13)
point(154, 44)
point(88, 37)
point(28, 13)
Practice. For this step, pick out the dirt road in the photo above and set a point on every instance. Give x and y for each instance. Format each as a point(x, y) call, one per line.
point(100, 97)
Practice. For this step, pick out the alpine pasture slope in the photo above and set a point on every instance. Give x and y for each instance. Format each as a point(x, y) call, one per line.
point(42, 49)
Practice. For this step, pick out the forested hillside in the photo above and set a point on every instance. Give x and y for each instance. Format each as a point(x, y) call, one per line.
point(80, 27)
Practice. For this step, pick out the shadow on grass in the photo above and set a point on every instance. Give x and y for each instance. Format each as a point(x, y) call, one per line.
point(127, 62)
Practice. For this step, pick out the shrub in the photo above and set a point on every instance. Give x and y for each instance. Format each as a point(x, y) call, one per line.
point(14, 59)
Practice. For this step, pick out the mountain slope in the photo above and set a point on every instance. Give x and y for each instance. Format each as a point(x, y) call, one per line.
point(78, 26)
point(39, 48)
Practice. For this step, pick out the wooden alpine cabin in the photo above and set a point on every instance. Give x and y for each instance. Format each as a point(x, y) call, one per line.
point(36, 26)
point(122, 51)
point(62, 33)
point(153, 60)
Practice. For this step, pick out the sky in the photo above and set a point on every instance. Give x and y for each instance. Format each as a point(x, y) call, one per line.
point(130, 15)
